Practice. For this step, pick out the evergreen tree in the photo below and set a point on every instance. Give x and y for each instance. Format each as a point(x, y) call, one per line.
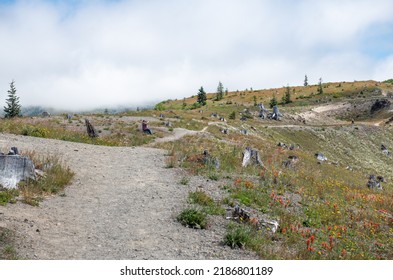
point(320, 89)
point(305, 81)
point(12, 109)
point(202, 97)
point(255, 101)
point(273, 101)
point(184, 105)
point(287, 96)
point(220, 91)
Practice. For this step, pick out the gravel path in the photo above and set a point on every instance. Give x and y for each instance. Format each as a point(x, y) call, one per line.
point(121, 205)
point(177, 134)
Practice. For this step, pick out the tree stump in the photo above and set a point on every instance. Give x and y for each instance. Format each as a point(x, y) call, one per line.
point(90, 129)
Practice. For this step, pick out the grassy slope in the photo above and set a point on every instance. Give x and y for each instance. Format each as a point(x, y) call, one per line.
point(325, 210)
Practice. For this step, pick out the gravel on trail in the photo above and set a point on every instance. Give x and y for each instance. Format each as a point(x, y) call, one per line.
point(122, 204)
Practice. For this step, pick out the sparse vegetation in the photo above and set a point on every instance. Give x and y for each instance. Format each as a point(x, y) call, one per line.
point(238, 235)
point(56, 177)
point(121, 135)
point(193, 218)
point(208, 204)
point(7, 250)
point(8, 196)
point(184, 181)
point(325, 210)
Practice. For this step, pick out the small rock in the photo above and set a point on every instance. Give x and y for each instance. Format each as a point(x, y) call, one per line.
point(321, 157)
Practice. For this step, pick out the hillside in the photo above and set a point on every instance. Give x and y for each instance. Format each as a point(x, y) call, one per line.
point(324, 208)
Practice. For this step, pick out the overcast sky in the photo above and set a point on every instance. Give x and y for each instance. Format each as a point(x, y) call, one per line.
point(85, 54)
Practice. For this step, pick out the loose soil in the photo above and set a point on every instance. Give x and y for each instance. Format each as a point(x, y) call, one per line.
point(122, 204)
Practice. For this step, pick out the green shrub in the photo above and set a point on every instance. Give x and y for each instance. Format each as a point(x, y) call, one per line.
point(57, 176)
point(204, 200)
point(196, 105)
point(238, 235)
point(193, 218)
point(184, 181)
point(29, 130)
point(213, 176)
point(8, 196)
point(201, 198)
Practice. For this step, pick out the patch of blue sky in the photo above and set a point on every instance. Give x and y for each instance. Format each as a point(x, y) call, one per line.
point(6, 2)
point(377, 41)
point(70, 7)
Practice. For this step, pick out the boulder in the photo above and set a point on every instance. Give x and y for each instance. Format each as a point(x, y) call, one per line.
point(321, 157)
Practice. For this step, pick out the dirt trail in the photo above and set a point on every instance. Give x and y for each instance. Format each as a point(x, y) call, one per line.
point(122, 205)
point(178, 133)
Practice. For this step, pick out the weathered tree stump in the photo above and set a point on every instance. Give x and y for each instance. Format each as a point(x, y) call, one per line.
point(90, 129)
point(251, 156)
point(15, 168)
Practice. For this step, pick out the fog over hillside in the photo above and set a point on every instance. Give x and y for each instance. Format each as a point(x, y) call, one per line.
point(80, 55)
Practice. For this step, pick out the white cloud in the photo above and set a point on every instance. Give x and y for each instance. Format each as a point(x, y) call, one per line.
point(105, 53)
